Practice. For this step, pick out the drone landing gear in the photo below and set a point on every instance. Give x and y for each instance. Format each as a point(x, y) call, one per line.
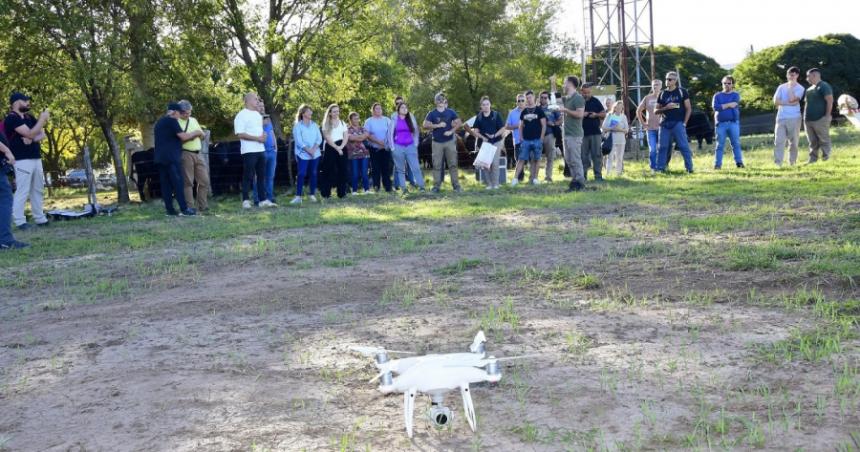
point(409, 408)
point(468, 406)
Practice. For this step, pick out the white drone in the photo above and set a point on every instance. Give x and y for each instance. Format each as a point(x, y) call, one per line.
point(435, 375)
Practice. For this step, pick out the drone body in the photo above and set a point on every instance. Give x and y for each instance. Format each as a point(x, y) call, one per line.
point(435, 375)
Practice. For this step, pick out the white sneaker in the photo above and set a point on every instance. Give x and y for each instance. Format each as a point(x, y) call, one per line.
point(496, 187)
point(246, 204)
point(535, 182)
point(514, 182)
point(312, 198)
point(489, 187)
point(267, 203)
point(296, 200)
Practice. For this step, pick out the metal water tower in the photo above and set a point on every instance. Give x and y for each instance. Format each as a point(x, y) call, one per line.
point(619, 46)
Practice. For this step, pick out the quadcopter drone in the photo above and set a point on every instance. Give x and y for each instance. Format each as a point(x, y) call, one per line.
point(434, 375)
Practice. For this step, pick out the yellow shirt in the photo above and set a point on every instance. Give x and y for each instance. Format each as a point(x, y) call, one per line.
point(192, 145)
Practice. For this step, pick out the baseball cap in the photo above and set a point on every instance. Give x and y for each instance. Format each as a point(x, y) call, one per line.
point(16, 96)
point(174, 106)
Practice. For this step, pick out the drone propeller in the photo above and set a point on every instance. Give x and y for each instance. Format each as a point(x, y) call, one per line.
point(373, 351)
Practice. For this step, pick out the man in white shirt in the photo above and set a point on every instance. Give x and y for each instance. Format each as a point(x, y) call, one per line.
point(788, 117)
point(248, 126)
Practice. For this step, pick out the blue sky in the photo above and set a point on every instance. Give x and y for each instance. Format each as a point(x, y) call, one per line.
point(725, 29)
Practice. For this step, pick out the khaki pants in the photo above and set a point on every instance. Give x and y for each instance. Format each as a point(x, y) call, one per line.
point(549, 153)
point(441, 153)
point(492, 176)
point(573, 157)
point(786, 130)
point(29, 183)
point(818, 134)
point(194, 168)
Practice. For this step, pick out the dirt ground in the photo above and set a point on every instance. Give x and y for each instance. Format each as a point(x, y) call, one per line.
point(250, 353)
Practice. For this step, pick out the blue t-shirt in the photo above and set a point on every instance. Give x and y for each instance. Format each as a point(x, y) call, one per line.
point(514, 121)
point(446, 116)
point(168, 146)
point(676, 115)
point(270, 137)
point(591, 126)
point(729, 114)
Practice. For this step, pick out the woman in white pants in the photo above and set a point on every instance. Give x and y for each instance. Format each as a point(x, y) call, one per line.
point(616, 124)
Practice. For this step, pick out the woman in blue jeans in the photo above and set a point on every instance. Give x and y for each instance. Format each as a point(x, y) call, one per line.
point(307, 138)
point(358, 155)
point(403, 135)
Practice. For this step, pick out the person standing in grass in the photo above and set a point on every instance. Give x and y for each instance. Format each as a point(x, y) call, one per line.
point(651, 121)
point(674, 105)
point(169, 137)
point(573, 110)
point(248, 126)
point(380, 152)
point(616, 124)
point(816, 115)
point(335, 164)
point(7, 163)
point(513, 124)
point(727, 116)
point(307, 139)
point(788, 117)
point(443, 122)
point(193, 167)
point(553, 133)
point(268, 190)
point(403, 136)
point(592, 154)
point(488, 126)
point(24, 134)
point(357, 153)
point(532, 131)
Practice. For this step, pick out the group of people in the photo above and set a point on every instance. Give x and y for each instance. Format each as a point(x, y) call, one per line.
point(351, 156)
point(664, 113)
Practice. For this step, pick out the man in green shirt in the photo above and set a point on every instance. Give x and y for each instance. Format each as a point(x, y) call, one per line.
point(573, 110)
point(816, 115)
point(193, 166)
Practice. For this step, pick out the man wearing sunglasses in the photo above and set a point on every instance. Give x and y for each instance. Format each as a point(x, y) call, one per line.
point(674, 105)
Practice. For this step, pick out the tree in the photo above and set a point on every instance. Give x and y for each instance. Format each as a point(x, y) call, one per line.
point(81, 41)
point(837, 55)
point(279, 49)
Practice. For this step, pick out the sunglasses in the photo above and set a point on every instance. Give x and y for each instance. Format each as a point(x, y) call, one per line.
point(670, 80)
point(727, 83)
point(520, 100)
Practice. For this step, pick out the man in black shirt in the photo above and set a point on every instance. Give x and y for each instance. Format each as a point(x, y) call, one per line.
point(532, 130)
point(592, 155)
point(7, 240)
point(24, 132)
point(673, 104)
point(168, 156)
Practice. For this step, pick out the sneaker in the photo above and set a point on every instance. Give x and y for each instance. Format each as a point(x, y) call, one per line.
point(599, 179)
point(514, 182)
point(458, 189)
point(25, 227)
point(741, 165)
point(718, 167)
point(246, 204)
point(171, 213)
point(312, 198)
point(296, 200)
point(353, 193)
point(547, 180)
point(421, 190)
point(575, 186)
point(496, 187)
point(535, 182)
point(489, 187)
point(13, 245)
point(189, 212)
point(434, 190)
point(267, 203)
point(42, 225)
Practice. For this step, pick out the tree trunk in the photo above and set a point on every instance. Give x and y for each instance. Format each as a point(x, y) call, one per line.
point(106, 124)
point(147, 134)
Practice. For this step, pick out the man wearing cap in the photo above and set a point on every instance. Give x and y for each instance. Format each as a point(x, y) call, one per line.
point(193, 166)
point(443, 123)
point(169, 137)
point(7, 240)
point(24, 132)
